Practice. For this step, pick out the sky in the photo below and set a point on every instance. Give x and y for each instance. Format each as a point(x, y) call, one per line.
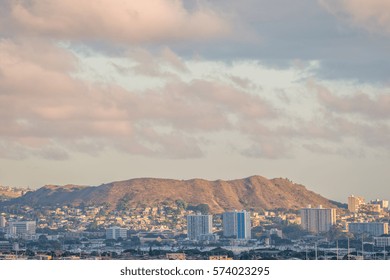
point(95, 92)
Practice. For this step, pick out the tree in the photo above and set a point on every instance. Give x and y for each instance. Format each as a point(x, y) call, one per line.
point(30, 253)
point(109, 242)
point(336, 233)
point(219, 251)
point(94, 253)
point(181, 204)
point(93, 226)
point(277, 241)
point(202, 208)
point(293, 231)
point(42, 238)
point(135, 241)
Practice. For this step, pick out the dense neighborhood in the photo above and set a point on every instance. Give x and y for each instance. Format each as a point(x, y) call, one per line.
point(180, 231)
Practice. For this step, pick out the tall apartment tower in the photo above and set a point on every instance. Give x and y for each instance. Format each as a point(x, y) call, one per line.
point(198, 225)
point(3, 222)
point(354, 203)
point(237, 224)
point(317, 220)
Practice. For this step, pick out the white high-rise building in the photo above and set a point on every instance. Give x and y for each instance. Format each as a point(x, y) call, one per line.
point(317, 220)
point(354, 203)
point(198, 225)
point(237, 224)
point(3, 222)
point(116, 232)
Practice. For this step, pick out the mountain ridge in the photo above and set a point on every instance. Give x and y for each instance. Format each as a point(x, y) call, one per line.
point(251, 193)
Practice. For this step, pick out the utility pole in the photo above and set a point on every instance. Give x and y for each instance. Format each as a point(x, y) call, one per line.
point(306, 251)
point(348, 250)
point(337, 249)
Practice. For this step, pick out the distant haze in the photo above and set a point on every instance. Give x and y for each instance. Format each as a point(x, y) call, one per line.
point(106, 91)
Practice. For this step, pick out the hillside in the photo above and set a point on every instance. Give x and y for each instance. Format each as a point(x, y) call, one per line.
point(255, 192)
point(7, 193)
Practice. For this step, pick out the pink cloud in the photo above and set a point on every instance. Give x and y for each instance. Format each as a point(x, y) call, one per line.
point(46, 111)
point(359, 103)
point(115, 20)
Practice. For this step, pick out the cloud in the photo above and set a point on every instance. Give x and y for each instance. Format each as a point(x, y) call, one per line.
point(345, 123)
point(358, 116)
point(369, 106)
point(46, 111)
point(270, 148)
point(53, 153)
point(163, 64)
point(241, 82)
point(279, 32)
point(116, 21)
point(373, 15)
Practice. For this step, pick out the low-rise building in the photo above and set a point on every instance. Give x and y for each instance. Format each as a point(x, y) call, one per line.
point(220, 258)
point(382, 241)
point(375, 229)
point(22, 229)
point(176, 256)
point(116, 232)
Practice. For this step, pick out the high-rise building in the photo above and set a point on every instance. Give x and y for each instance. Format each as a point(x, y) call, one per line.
point(375, 229)
point(20, 228)
point(198, 225)
point(317, 220)
point(3, 221)
point(229, 223)
point(116, 232)
point(237, 224)
point(354, 203)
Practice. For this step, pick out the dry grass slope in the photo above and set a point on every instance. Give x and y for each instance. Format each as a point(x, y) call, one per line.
point(255, 192)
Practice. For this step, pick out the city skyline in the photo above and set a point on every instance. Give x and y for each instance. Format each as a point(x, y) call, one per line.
point(95, 93)
point(175, 228)
point(93, 232)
